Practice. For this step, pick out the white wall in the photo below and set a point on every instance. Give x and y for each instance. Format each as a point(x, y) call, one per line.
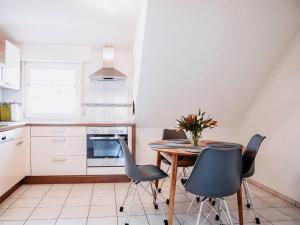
point(275, 113)
point(209, 54)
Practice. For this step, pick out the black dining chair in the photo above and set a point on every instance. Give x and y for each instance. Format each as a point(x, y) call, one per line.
point(217, 174)
point(249, 168)
point(139, 174)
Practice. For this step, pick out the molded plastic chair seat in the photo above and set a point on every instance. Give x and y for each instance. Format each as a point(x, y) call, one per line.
point(150, 172)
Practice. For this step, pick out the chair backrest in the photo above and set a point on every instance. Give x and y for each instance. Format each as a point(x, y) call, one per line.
point(250, 155)
point(216, 173)
point(130, 167)
point(173, 134)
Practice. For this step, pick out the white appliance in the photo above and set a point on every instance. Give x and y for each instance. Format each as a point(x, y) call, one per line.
point(15, 112)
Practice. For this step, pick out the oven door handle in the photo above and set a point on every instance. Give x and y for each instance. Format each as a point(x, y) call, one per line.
point(104, 138)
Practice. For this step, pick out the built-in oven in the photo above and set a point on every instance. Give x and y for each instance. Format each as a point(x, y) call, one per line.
point(104, 148)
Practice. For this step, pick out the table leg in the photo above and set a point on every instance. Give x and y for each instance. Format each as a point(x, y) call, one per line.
point(240, 205)
point(158, 163)
point(172, 188)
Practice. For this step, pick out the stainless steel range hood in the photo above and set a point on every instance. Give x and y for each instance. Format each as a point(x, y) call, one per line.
point(107, 72)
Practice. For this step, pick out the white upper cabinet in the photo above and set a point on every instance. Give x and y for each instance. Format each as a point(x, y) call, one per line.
point(9, 65)
point(11, 78)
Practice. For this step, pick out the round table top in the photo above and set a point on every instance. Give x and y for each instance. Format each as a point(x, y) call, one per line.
point(182, 151)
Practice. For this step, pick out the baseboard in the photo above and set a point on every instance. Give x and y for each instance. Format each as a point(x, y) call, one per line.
point(10, 191)
point(72, 179)
point(274, 192)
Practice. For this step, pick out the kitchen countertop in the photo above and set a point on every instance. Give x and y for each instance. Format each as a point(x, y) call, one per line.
point(4, 126)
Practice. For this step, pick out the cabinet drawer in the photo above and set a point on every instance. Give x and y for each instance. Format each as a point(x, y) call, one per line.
point(59, 131)
point(51, 146)
point(59, 165)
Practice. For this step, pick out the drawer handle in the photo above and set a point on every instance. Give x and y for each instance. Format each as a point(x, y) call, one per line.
point(58, 160)
point(20, 142)
point(58, 140)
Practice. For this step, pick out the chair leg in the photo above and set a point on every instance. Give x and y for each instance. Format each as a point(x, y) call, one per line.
point(130, 207)
point(228, 213)
point(158, 200)
point(163, 181)
point(200, 211)
point(247, 195)
point(127, 193)
point(257, 220)
point(190, 206)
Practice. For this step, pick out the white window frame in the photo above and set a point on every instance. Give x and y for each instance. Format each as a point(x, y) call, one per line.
point(52, 65)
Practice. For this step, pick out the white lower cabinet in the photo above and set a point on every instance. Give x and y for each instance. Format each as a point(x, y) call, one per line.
point(59, 165)
point(58, 151)
point(14, 156)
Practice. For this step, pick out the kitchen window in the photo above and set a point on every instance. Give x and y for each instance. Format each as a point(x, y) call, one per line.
point(52, 90)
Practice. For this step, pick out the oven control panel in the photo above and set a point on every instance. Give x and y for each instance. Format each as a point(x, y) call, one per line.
point(107, 130)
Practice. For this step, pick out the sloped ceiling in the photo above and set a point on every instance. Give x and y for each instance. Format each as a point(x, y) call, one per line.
point(210, 54)
point(87, 22)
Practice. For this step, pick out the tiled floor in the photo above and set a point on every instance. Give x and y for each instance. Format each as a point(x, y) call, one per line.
point(98, 204)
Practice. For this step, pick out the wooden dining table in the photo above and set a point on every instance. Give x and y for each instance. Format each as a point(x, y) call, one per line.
point(181, 157)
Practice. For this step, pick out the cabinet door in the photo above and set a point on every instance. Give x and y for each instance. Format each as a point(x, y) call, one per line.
point(12, 66)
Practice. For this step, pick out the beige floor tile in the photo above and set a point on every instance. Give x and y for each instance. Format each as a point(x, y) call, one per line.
point(11, 222)
point(134, 220)
point(2, 211)
point(286, 223)
point(105, 186)
point(80, 193)
point(103, 220)
point(40, 187)
point(293, 212)
point(262, 223)
point(102, 211)
point(16, 214)
point(273, 214)
point(39, 193)
point(104, 200)
point(150, 210)
point(74, 212)
point(79, 221)
point(104, 192)
point(7, 203)
point(58, 193)
point(248, 216)
point(50, 201)
point(276, 202)
point(46, 213)
point(26, 202)
point(137, 210)
point(20, 191)
point(61, 187)
point(40, 222)
point(159, 220)
point(190, 219)
point(78, 201)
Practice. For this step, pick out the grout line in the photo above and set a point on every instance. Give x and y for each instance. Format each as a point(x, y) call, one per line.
point(90, 204)
point(116, 204)
point(64, 203)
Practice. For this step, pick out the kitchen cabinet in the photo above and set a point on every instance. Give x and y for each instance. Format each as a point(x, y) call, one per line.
point(14, 156)
point(10, 60)
point(58, 151)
